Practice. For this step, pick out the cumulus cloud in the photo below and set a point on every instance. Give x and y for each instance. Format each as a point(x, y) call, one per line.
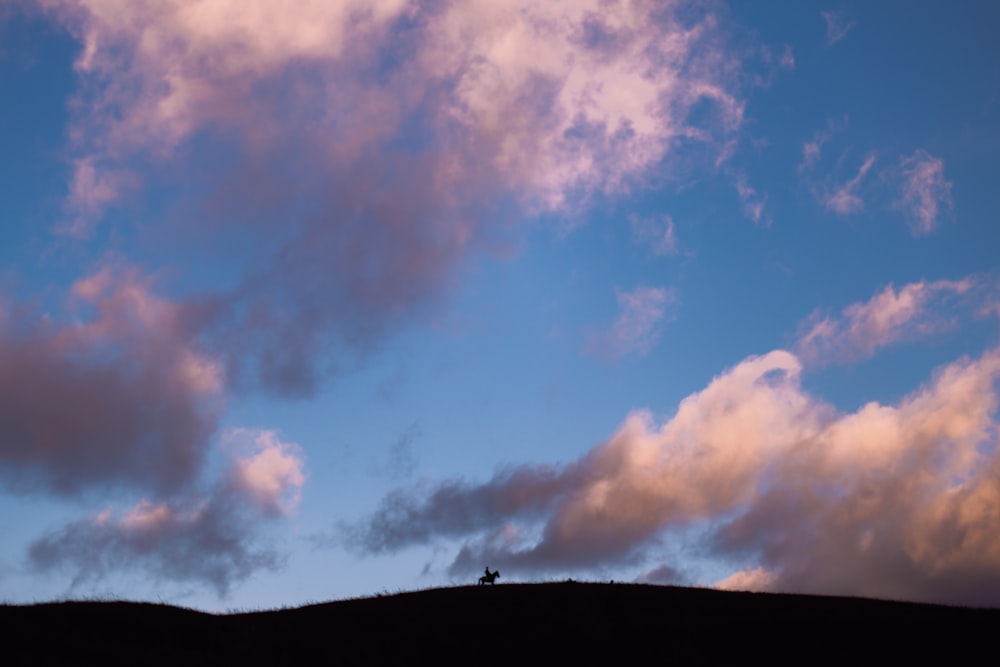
point(837, 26)
point(845, 200)
point(915, 310)
point(210, 539)
point(371, 145)
point(889, 500)
point(637, 328)
point(116, 395)
point(924, 192)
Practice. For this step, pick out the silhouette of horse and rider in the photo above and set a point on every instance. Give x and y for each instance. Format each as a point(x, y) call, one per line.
point(489, 577)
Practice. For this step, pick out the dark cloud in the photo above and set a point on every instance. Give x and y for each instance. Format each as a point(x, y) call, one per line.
point(117, 400)
point(662, 574)
point(213, 545)
point(213, 540)
point(456, 508)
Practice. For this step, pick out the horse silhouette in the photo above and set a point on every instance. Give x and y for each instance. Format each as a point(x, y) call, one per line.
point(489, 578)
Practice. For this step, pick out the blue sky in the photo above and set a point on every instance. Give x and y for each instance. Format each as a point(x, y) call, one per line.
point(302, 305)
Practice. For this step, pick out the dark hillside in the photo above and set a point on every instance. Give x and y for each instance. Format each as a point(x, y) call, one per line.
point(504, 623)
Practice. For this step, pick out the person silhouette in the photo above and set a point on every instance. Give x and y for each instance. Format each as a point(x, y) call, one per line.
point(487, 570)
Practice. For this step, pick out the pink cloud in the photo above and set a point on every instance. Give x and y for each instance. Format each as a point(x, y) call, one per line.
point(845, 200)
point(383, 136)
point(270, 473)
point(637, 328)
point(604, 95)
point(812, 150)
point(924, 191)
point(915, 310)
point(888, 500)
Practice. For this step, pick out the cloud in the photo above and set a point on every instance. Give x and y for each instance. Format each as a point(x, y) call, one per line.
point(812, 150)
point(755, 579)
point(606, 504)
point(117, 396)
point(773, 63)
point(924, 192)
point(915, 310)
point(606, 94)
point(845, 200)
point(211, 540)
point(752, 203)
point(637, 328)
point(837, 26)
point(660, 234)
point(270, 472)
point(662, 574)
point(889, 500)
point(114, 396)
point(895, 502)
point(366, 148)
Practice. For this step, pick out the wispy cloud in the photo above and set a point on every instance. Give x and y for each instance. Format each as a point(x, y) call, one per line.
point(812, 150)
point(845, 200)
point(637, 328)
point(915, 310)
point(924, 192)
point(886, 501)
point(751, 202)
point(837, 26)
point(659, 233)
point(774, 63)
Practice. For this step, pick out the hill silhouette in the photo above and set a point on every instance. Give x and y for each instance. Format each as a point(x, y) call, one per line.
point(507, 623)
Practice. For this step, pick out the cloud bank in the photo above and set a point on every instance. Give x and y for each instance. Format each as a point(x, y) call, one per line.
point(209, 538)
point(891, 501)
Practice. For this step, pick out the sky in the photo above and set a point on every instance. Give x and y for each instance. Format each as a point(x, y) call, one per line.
point(317, 300)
